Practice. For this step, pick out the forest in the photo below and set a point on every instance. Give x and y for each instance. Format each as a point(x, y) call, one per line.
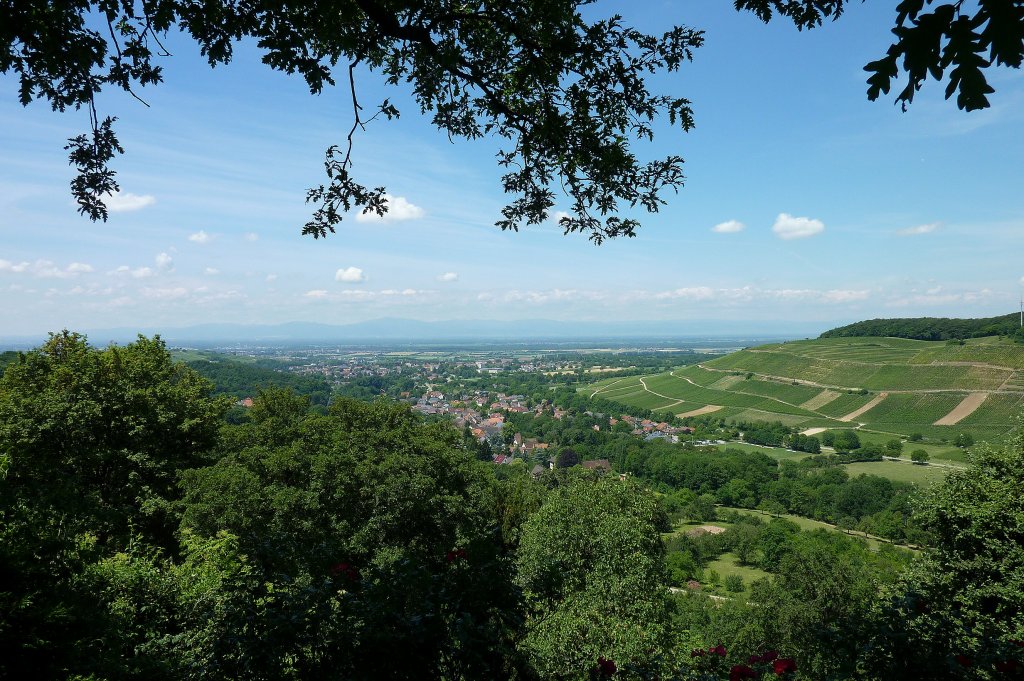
point(144, 536)
point(932, 328)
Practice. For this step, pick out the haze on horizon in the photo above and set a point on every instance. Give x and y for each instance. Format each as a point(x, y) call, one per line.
point(805, 203)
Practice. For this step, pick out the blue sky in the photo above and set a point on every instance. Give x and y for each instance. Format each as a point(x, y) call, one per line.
point(886, 213)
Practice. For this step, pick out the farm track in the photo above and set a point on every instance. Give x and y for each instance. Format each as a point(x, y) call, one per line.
point(961, 411)
point(867, 407)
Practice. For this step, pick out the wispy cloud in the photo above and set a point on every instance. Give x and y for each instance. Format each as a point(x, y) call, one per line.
point(200, 237)
point(729, 227)
point(46, 269)
point(789, 227)
point(448, 277)
point(919, 229)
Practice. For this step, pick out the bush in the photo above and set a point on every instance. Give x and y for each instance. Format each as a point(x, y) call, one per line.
point(734, 583)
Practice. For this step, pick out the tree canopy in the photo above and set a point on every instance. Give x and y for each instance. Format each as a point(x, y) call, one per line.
point(566, 95)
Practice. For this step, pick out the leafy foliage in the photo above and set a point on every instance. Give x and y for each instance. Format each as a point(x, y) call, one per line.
point(566, 94)
point(952, 39)
point(590, 567)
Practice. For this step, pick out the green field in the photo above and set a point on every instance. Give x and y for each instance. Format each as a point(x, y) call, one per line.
point(909, 386)
point(897, 471)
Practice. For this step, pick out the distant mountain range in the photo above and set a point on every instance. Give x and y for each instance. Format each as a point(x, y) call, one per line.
point(394, 329)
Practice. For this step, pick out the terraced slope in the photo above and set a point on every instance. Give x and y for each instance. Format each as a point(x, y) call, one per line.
point(889, 385)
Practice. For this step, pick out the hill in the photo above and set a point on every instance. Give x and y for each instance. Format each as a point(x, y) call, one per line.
point(931, 328)
point(887, 385)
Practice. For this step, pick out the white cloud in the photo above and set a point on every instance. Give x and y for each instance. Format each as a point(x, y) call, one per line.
point(919, 229)
point(729, 227)
point(788, 227)
point(252, 236)
point(164, 262)
point(200, 237)
point(212, 271)
point(319, 293)
point(844, 296)
point(45, 269)
point(125, 202)
point(399, 210)
point(165, 293)
point(688, 293)
point(448, 276)
point(271, 277)
point(350, 275)
point(140, 272)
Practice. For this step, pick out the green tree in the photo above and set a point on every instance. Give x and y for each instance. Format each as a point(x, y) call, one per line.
point(964, 597)
point(894, 447)
point(369, 500)
point(91, 447)
point(919, 456)
point(567, 458)
point(590, 566)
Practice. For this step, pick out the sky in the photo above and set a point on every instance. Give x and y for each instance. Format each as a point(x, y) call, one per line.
point(804, 202)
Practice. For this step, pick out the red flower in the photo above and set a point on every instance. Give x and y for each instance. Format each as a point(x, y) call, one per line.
point(718, 650)
point(1007, 666)
point(1019, 644)
point(963, 660)
point(740, 672)
point(698, 653)
point(765, 657)
point(345, 569)
point(784, 665)
point(457, 554)
point(606, 667)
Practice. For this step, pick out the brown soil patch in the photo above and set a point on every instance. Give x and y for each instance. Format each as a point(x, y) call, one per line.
point(699, 412)
point(962, 410)
point(870, 405)
point(705, 529)
point(820, 400)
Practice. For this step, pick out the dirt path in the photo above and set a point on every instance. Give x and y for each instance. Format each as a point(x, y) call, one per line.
point(813, 431)
point(700, 412)
point(870, 405)
point(606, 387)
point(962, 410)
point(675, 400)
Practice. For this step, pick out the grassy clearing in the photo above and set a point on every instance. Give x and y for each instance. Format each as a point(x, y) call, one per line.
point(898, 471)
point(728, 564)
point(810, 524)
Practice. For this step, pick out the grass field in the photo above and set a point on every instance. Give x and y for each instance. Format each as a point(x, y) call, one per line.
point(816, 383)
point(897, 471)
